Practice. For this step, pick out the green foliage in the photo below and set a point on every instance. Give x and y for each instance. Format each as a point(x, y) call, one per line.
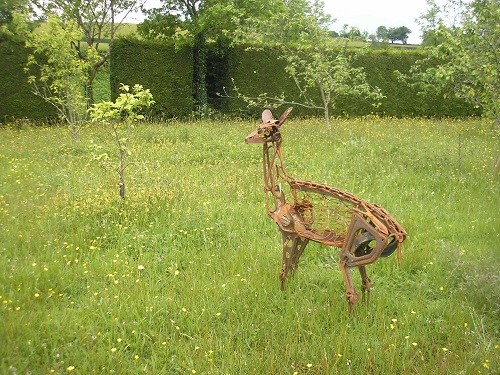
point(465, 62)
point(17, 99)
point(96, 20)
point(352, 33)
point(184, 23)
point(217, 20)
point(166, 71)
point(62, 74)
point(124, 110)
point(119, 118)
point(101, 85)
point(15, 22)
point(160, 26)
point(183, 274)
point(429, 22)
point(294, 23)
point(253, 73)
point(331, 74)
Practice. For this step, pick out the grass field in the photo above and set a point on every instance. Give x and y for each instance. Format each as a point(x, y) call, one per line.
point(182, 276)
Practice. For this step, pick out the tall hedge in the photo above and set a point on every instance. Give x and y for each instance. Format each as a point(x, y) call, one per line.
point(402, 100)
point(16, 97)
point(167, 72)
point(255, 72)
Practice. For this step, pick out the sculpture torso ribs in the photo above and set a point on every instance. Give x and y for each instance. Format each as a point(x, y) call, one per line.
point(323, 214)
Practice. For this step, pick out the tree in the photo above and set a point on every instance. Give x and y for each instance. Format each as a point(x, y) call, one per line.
point(334, 34)
point(14, 20)
point(118, 118)
point(429, 22)
point(57, 74)
point(195, 22)
point(382, 34)
point(185, 21)
point(468, 58)
point(466, 62)
point(182, 20)
point(321, 67)
point(8, 8)
point(97, 20)
point(398, 33)
point(352, 32)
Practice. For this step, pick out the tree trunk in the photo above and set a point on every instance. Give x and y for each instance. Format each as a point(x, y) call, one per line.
point(326, 101)
point(121, 173)
point(122, 189)
point(75, 133)
point(327, 117)
point(89, 86)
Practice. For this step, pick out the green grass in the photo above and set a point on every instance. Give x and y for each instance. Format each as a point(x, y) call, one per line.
point(124, 29)
point(182, 276)
point(102, 89)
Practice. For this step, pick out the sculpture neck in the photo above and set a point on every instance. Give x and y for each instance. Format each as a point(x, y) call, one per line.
point(274, 173)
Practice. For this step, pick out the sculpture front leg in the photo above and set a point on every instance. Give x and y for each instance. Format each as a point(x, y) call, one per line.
point(287, 257)
point(293, 247)
point(298, 248)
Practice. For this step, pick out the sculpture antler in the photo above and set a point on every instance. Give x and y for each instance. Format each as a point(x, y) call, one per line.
point(267, 117)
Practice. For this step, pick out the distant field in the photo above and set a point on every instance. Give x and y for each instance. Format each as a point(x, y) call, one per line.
point(131, 28)
point(123, 30)
point(127, 29)
point(182, 276)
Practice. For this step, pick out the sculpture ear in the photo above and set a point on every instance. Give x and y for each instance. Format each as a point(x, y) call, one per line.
point(267, 116)
point(284, 116)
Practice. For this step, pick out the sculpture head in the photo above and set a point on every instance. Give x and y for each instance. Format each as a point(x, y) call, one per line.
point(269, 130)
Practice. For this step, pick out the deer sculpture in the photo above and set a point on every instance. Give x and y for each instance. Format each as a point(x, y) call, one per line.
point(307, 211)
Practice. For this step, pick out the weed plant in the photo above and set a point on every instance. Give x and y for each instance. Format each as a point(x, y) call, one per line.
point(182, 276)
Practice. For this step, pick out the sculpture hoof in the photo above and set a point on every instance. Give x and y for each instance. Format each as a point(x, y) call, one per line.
point(352, 298)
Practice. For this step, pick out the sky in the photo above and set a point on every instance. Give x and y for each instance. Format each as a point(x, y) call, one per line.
point(366, 15)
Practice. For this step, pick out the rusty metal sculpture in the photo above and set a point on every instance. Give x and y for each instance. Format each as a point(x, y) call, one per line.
point(316, 212)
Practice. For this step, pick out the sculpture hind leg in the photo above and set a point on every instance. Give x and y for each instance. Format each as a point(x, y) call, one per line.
point(350, 293)
point(366, 283)
point(293, 247)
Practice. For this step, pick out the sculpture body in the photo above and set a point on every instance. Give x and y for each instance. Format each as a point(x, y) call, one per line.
point(305, 210)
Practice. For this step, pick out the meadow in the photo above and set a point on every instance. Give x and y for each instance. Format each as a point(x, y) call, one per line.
point(181, 277)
